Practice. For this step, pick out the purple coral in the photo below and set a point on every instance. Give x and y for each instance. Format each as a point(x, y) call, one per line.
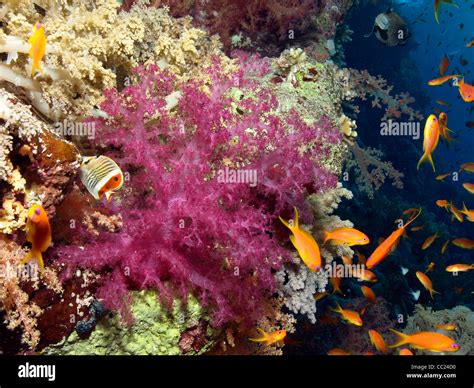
point(184, 228)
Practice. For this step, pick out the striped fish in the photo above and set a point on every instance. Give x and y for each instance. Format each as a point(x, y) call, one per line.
point(101, 176)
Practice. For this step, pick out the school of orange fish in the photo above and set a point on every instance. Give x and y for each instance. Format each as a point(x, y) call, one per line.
point(309, 252)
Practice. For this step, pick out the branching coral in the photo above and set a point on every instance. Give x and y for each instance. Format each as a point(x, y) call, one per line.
point(365, 85)
point(18, 311)
point(370, 169)
point(197, 228)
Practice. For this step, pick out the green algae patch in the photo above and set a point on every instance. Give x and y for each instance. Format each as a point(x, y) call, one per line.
point(155, 330)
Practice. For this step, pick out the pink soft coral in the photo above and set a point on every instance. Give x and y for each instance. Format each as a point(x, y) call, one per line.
point(184, 230)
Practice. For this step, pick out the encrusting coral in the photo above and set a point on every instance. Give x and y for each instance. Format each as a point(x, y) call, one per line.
point(155, 330)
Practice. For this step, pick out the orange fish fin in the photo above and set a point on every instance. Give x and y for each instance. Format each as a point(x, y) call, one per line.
point(327, 236)
point(402, 339)
point(263, 338)
point(432, 292)
point(34, 254)
point(286, 224)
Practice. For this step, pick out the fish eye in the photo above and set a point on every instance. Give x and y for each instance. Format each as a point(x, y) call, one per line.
point(37, 211)
point(116, 179)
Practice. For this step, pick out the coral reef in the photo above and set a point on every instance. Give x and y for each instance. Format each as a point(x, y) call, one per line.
point(426, 319)
point(156, 330)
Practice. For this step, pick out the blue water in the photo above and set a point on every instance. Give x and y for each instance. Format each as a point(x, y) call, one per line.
point(409, 68)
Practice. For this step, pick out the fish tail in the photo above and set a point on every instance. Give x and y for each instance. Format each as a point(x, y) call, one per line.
point(402, 339)
point(338, 308)
point(425, 157)
point(432, 292)
point(263, 338)
point(296, 222)
point(34, 254)
point(286, 224)
point(327, 236)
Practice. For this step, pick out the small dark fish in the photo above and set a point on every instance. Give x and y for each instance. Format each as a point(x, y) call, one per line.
point(442, 102)
point(463, 61)
point(470, 124)
point(390, 29)
point(461, 26)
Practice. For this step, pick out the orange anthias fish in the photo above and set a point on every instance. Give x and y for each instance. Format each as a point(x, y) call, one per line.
point(470, 44)
point(469, 213)
point(430, 240)
point(443, 65)
point(405, 352)
point(430, 267)
point(456, 213)
point(448, 326)
point(347, 260)
point(442, 177)
point(468, 167)
point(417, 228)
point(338, 352)
point(38, 47)
point(442, 203)
point(346, 236)
point(466, 91)
point(270, 338)
point(38, 233)
point(430, 140)
point(469, 187)
point(336, 285)
point(434, 342)
point(369, 294)
point(367, 276)
point(425, 280)
point(350, 316)
point(459, 267)
point(445, 246)
point(377, 340)
point(360, 257)
point(444, 131)
point(464, 243)
point(382, 251)
point(305, 244)
point(437, 4)
point(442, 80)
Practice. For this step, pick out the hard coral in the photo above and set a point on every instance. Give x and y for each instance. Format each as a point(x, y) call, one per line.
point(189, 224)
